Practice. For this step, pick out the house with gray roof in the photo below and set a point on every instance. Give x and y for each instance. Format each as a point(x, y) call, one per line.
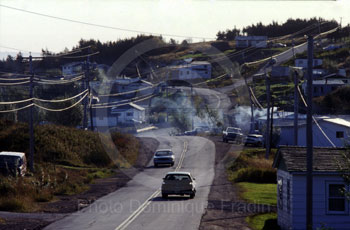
point(330, 205)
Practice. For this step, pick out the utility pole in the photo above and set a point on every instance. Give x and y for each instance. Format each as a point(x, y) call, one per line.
point(85, 99)
point(271, 127)
point(296, 107)
point(31, 129)
point(89, 91)
point(192, 106)
point(309, 138)
point(267, 135)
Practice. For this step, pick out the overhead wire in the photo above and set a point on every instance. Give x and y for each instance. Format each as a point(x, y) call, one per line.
point(118, 105)
point(17, 109)
point(63, 109)
point(314, 119)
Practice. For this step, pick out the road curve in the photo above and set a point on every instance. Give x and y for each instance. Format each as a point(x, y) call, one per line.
point(121, 209)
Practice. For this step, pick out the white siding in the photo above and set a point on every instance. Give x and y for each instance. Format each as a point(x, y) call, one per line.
point(287, 133)
point(285, 215)
point(319, 204)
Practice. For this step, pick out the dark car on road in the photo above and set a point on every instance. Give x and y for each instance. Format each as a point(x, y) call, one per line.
point(178, 183)
point(232, 134)
point(163, 156)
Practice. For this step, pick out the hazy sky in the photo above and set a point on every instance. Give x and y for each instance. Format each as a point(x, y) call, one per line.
point(189, 18)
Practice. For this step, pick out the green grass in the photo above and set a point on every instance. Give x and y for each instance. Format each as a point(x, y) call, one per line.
point(259, 193)
point(257, 222)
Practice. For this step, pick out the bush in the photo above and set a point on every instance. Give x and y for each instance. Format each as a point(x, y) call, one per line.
point(12, 205)
point(256, 175)
point(6, 189)
point(271, 224)
point(43, 196)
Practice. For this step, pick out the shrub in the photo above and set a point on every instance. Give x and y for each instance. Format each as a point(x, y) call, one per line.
point(271, 224)
point(44, 196)
point(6, 189)
point(256, 175)
point(12, 205)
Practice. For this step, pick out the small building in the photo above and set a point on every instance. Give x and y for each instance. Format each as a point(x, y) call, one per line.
point(336, 129)
point(330, 206)
point(251, 41)
point(72, 68)
point(188, 71)
point(128, 114)
point(303, 63)
point(325, 86)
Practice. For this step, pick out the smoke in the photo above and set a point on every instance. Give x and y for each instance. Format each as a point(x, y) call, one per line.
point(242, 116)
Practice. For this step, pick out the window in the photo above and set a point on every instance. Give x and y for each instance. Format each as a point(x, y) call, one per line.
point(339, 134)
point(321, 89)
point(315, 89)
point(129, 114)
point(280, 193)
point(336, 201)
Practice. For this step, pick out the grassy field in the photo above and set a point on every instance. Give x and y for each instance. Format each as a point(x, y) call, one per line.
point(259, 193)
point(257, 222)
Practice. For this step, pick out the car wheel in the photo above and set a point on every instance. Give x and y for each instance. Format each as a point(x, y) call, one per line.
point(172, 164)
point(164, 196)
point(192, 195)
point(155, 165)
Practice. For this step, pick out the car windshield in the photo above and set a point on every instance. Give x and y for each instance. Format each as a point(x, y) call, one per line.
point(163, 153)
point(10, 161)
point(234, 130)
point(177, 177)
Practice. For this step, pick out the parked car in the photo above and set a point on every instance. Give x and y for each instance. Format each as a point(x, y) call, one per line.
point(13, 163)
point(332, 47)
point(254, 139)
point(197, 130)
point(163, 156)
point(232, 134)
point(178, 183)
point(278, 45)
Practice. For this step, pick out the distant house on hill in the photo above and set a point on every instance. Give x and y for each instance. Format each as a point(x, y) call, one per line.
point(303, 63)
point(325, 86)
point(128, 114)
point(330, 206)
point(251, 41)
point(188, 71)
point(72, 68)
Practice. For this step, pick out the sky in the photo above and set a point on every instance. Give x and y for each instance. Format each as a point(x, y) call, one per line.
point(188, 18)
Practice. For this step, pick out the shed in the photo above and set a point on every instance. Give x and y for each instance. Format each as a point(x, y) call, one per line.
point(330, 206)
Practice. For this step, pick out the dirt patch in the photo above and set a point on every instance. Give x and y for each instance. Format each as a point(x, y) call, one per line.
point(101, 187)
point(225, 210)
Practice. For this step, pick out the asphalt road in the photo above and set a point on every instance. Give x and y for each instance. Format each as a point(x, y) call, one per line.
point(139, 204)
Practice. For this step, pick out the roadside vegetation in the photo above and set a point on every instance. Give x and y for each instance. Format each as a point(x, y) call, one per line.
point(256, 181)
point(67, 161)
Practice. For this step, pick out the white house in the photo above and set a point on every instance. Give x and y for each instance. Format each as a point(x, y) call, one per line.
point(330, 206)
point(72, 68)
point(251, 41)
point(193, 70)
point(303, 62)
point(337, 130)
point(117, 116)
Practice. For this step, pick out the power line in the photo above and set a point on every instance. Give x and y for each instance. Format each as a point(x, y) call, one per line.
point(99, 25)
point(16, 83)
point(14, 110)
point(118, 105)
point(60, 100)
point(127, 92)
point(60, 110)
point(316, 122)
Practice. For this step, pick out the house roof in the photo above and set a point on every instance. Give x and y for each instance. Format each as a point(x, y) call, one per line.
point(127, 107)
point(280, 71)
point(338, 121)
point(200, 63)
point(293, 159)
point(254, 38)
